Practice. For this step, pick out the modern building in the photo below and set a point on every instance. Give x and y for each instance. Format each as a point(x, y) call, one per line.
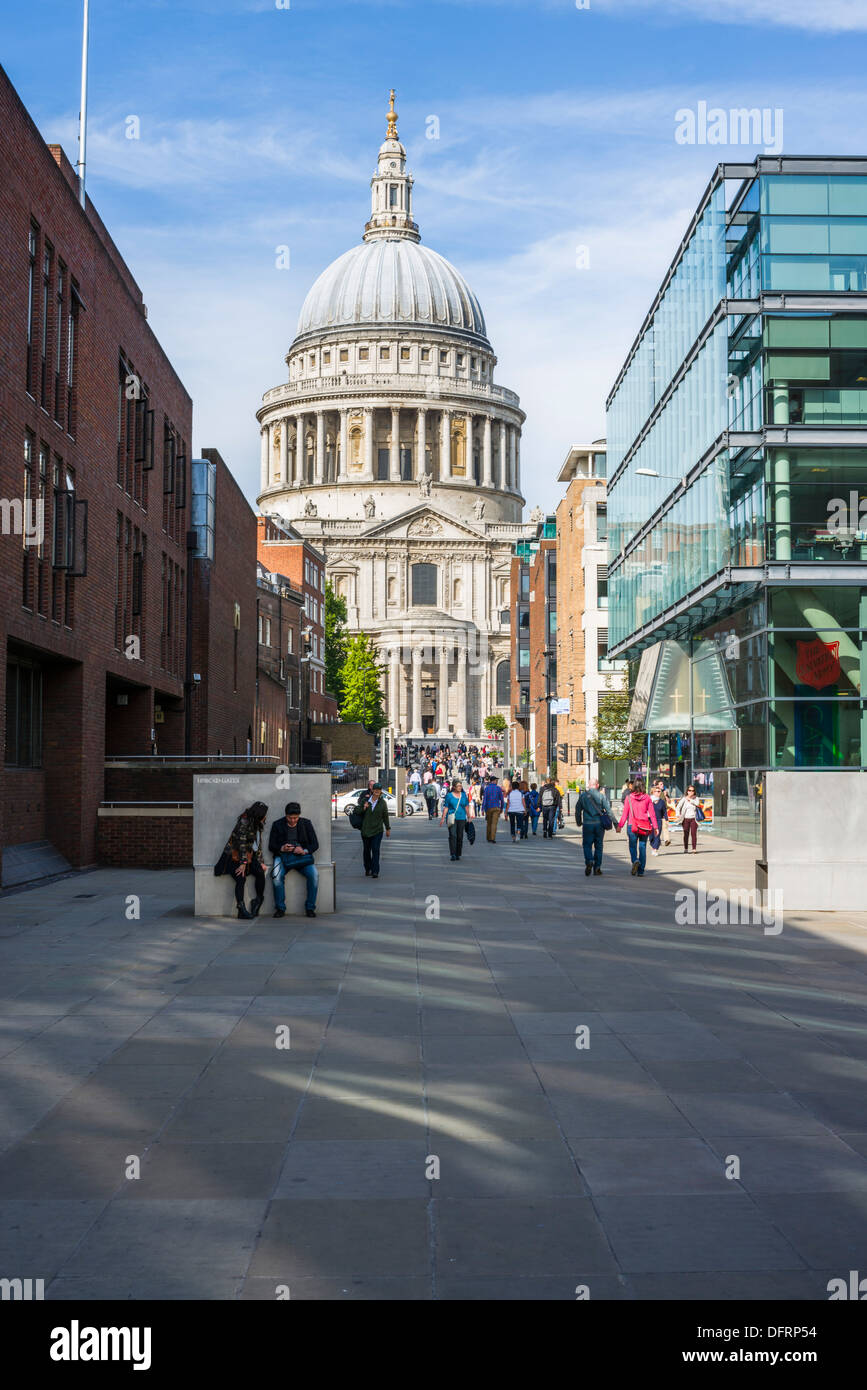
point(737, 488)
point(533, 657)
point(391, 448)
point(300, 564)
point(586, 673)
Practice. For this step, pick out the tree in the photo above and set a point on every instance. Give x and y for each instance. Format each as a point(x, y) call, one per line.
point(361, 696)
point(495, 724)
point(335, 642)
point(610, 737)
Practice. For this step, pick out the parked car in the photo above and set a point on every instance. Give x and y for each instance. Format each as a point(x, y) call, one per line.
point(342, 771)
point(412, 804)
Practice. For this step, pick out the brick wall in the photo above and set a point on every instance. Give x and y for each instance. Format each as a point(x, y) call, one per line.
point(145, 841)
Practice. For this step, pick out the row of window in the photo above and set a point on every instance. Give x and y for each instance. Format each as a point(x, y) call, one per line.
point(385, 354)
point(53, 527)
point(315, 575)
point(52, 331)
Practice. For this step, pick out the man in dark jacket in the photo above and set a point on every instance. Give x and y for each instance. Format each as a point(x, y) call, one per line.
point(592, 807)
point(549, 800)
point(293, 843)
point(492, 805)
point(375, 822)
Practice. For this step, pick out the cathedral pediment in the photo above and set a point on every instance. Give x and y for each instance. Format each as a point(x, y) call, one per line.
point(425, 523)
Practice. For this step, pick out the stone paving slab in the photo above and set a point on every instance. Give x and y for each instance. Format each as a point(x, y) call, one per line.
point(431, 1131)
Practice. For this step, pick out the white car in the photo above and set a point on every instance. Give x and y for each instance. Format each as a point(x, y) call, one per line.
point(413, 804)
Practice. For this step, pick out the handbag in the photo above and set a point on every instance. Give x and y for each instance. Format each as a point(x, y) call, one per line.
point(222, 864)
point(470, 832)
point(294, 861)
point(699, 814)
point(450, 819)
point(606, 822)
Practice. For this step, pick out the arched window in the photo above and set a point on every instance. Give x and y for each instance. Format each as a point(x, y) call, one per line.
point(424, 586)
point(504, 678)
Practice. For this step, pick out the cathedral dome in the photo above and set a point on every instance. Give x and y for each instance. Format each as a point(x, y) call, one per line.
point(392, 282)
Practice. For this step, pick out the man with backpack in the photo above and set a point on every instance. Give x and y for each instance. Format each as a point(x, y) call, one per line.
point(550, 802)
point(593, 814)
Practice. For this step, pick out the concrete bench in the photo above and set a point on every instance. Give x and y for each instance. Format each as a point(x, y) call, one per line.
point(215, 897)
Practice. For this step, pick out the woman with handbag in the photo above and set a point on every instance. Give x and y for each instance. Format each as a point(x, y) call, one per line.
point(639, 817)
point(689, 813)
point(455, 805)
point(660, 805)
point(242, 857)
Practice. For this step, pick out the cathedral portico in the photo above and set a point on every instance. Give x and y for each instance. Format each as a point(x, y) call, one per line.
point(391, 446)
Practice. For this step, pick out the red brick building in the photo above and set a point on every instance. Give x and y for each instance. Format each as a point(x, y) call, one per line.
point(95, 430)
point(280, 619)
point(283, 551)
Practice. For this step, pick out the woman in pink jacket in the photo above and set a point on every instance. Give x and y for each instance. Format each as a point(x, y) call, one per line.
point(639, 816)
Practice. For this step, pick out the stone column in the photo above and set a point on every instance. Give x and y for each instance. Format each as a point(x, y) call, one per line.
point(394, 446)
point(394, 688)
point(416, 730)
point(501, 479)
point(513, 458)
point(446, 444)
point(421, 442)
point(284, 450)
point(468, 448)
point(368, 444)
point(461, 730)
point(443, 695)
point(487, 459)
point(301, 450)
point(320, 446)
point(266, 457)
point(517, 475)
point(344, 444)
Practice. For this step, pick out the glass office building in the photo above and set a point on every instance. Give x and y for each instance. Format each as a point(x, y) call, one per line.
point(737, 492)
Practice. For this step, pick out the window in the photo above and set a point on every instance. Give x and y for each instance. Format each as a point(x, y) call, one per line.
point(444, 357)
point(47, 261)
point(392, 195)
point(474, 363)
point(384, 354)
point(363, 354)
point(344, 354)
point(460, 359)
point(602, 586)
point(71, 358)
point(312, 359)
point(290, 640)
point(504, 680)
point(27, 572)
point(31, 306)
point(404, 354)
point(602, 523)
point(424, 586)
point(382, 458)
point(23, 713)
point(326, 356)
point(425, 354)
point(59, 324)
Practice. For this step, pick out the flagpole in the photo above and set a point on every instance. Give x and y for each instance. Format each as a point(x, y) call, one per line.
point(82, 115)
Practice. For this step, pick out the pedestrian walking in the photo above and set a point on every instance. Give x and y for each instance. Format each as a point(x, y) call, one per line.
point(431, 797)
point(639, 817)
point(593, 815)
point(293, 843)
point(516, 807)
point(492, 806)
point(660, 805)
point(534, 808)
point(549, 799)
point(455, 810)
point(242, 857)
point(688, 814)
point(374, 823)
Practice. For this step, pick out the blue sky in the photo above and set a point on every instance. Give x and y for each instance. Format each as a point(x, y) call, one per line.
point(259, 127)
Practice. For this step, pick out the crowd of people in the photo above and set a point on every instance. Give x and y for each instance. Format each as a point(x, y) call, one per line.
point(460, 786)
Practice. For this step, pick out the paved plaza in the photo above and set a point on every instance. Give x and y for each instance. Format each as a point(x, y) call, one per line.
point(432, 1029)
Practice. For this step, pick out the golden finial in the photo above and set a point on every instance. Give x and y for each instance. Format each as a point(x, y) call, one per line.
point(391, 133)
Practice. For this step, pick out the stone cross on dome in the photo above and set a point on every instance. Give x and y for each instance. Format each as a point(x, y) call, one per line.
point(391, 190)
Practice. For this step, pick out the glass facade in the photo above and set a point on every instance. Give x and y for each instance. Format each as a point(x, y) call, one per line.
point(738, 516)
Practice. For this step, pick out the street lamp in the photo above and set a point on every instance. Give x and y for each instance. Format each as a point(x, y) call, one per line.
point(669, 477)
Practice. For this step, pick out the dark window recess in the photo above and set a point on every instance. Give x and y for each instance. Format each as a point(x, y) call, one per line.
point(181, 478)
point(406, 463)
point(137, 572)
point(69, 548)
point(144, 433)
point(504, 680)
point(23, 714)
point(382, 465)
point(424, 586)
point(168, 461)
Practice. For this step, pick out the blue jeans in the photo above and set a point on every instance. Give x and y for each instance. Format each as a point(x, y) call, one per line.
point(534, 819)
point(637, 848)
point(282, 864)
point(593, 838)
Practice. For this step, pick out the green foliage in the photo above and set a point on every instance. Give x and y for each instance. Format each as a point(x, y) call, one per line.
point(610, 736)
point(361, 700)
point(336, 638)
point(495, 723)
point(525, 757)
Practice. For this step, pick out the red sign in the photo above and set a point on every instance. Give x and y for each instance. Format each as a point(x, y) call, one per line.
point(818, 663)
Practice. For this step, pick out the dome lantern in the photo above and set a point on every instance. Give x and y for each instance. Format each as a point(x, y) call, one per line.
point(391, 189)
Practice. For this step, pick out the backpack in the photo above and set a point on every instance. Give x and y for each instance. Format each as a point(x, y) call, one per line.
point(547, 797)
